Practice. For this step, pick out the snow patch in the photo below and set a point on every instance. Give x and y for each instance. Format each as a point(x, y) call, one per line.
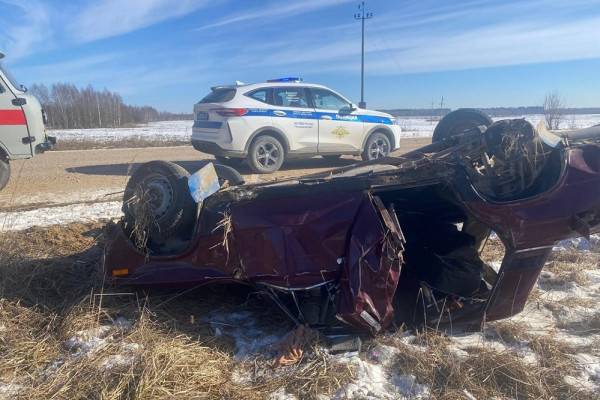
point(156, 131)
point(91, 340)
point(375, 380)
point(243, 328)
point(21, 220)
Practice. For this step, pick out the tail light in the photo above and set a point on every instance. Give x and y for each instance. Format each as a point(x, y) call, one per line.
point(231, 112)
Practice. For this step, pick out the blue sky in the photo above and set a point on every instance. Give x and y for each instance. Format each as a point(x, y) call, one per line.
point(167, 53)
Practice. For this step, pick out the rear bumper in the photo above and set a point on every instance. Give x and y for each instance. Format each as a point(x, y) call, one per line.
point(216, 150)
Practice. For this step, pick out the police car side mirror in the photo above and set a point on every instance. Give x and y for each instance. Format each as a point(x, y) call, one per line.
point(348, 109)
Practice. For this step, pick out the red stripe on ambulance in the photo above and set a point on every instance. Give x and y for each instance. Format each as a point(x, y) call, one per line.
point(12, 117)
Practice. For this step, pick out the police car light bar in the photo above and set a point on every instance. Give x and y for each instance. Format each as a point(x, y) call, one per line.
point(288, 79)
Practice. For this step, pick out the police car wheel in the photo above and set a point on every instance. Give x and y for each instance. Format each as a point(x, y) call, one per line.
point(266, 155)
point(4, 172)
point(377, 146)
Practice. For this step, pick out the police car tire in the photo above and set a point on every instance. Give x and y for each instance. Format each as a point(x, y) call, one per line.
point(253, 161)
point(179, 215)
point(374, 137)
point(4, 172)
point(459, 121)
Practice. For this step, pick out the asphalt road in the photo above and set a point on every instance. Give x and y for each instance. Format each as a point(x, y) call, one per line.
point(64, 177)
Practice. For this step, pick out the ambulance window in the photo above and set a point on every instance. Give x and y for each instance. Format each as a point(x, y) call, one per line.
point(259, 94)
point(324, 99)
point(290, 97)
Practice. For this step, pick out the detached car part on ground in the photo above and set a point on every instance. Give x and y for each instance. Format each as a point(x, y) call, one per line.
point(391, 240)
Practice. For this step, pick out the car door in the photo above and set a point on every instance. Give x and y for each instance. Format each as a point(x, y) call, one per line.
point(14, 135)
point(293, 115)
point(340, 127)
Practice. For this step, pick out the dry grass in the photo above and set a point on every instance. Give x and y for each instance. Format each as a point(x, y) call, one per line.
point(486, 373)
point(52, 291)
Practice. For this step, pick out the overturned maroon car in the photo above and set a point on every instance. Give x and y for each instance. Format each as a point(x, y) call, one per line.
point(380, 243)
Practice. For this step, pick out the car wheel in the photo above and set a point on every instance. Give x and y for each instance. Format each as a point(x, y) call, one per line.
point(266, 155)
point(4, 172)
point(459, 121)
point(226, 173)
point(157, 203)
point(232, 162)
point(377, 146)
point(332, 157)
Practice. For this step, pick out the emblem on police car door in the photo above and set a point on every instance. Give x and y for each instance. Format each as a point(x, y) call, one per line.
point(340, 132)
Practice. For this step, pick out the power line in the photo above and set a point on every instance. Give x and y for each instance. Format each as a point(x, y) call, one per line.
point(362, 15)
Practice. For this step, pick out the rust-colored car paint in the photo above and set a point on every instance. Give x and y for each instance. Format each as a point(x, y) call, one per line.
point(296, 241)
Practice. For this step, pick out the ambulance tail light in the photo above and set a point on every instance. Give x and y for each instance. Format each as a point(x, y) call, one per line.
point(231, 112)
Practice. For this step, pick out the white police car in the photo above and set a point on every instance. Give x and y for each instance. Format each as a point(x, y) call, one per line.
point(266, 123)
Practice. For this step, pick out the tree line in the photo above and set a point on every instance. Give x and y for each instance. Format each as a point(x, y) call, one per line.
point(70, 107)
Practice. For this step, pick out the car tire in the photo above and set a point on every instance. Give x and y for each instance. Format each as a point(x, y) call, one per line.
point(332, 157)
point(266, 155)
point(459, 121)
point(230, 161)
point(169, 211)
point(4, 172)
point(377, 146)
point(226, 173)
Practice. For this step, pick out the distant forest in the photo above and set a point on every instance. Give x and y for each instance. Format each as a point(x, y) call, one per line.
point(70, 107)
point(493, 112)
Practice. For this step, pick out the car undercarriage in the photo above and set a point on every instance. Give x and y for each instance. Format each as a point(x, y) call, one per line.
point(378, 244)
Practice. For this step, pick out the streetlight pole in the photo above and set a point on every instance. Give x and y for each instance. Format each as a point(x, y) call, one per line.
point(362, 15)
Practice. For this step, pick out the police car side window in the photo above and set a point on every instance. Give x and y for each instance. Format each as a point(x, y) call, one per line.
point(326, 100)
point(260, 95)
point(290, 97)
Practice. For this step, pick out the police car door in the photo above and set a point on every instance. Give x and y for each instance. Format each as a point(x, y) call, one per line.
point(340, 127)
point(295, 118)
point(14, 135)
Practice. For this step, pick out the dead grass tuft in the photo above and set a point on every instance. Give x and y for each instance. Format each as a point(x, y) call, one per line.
point(486, 373)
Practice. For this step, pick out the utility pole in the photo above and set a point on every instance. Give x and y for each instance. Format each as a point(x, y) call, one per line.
point(362, 15)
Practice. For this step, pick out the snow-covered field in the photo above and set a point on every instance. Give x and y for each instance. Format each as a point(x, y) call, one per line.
point(157, 131)
point(423, 127)
point(169, 131)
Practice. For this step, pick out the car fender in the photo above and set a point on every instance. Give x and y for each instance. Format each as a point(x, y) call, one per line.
point(266, 129)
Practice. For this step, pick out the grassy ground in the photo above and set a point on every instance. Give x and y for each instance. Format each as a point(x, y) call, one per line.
point(66, 334)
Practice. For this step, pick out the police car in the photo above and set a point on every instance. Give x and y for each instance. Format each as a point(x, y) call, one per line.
point(267, 123)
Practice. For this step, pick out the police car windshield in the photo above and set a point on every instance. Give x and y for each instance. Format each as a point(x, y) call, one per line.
point(219, 95)
point(11, 79)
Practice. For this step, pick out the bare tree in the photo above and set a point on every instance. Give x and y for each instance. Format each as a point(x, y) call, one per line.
point(70, 107)
point(553, 110)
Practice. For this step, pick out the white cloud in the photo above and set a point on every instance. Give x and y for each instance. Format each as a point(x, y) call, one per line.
point(490, 36)
point(25, 24)
point(277, 9)
point(103, 19)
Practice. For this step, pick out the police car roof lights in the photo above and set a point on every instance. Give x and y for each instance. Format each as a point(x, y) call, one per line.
point(287, 79)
